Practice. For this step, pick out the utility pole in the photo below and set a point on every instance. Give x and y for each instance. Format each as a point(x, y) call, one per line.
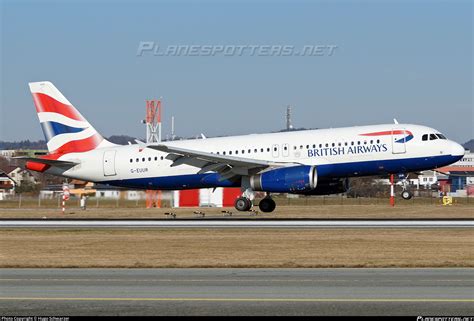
point(289, 126)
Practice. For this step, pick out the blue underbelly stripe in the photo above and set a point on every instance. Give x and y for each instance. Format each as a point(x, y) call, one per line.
point(341, 170)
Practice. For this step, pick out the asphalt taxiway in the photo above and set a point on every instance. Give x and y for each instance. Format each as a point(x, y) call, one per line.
point(237, 291)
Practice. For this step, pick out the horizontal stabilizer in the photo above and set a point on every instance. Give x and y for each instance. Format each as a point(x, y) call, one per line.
point(51, 162)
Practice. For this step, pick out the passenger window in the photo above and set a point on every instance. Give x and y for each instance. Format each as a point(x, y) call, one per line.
point(268, 149)
point(143, 159)
point(156, 158)
point(249, 151)
point(285, 148)
point(161, 157)
point(236, 152)
point(131, 160)
point(137, 160)
point(223, 153)
point(327, 145)
point(149, 159)
point(320, 145)
point(378, 141)
point(371, 142)
point(333, 144)
point(255, 150)
point(314, 145)
point(261, 150)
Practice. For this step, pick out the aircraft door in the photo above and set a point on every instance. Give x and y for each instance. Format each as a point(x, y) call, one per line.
point(109, 163)
point(399, 136)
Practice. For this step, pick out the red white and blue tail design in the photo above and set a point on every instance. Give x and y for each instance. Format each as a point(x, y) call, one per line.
point(65, 129)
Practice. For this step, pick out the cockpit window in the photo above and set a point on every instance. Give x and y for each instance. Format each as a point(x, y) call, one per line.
point(441, 136)
point(424, 137)
point(433, 137)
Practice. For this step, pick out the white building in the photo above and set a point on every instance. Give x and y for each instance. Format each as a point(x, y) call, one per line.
point(20, 175)
point(8, 153)
point(7, 186)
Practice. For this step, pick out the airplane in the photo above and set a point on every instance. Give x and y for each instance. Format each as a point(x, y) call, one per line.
point(308, 162)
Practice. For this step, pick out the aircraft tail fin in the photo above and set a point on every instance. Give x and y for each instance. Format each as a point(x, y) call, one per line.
point(65, 129)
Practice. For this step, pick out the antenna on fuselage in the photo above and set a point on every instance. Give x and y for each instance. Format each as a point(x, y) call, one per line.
point(395, 121)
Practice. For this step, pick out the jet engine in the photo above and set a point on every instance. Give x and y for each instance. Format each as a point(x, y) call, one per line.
point(295, 179)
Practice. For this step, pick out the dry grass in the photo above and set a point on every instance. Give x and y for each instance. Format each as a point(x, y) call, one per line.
point(322, 211)
point(237, 248)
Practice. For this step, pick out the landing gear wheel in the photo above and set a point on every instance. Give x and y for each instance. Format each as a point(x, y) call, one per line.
point(243, 204)
point(406, 195)
point(267, 205)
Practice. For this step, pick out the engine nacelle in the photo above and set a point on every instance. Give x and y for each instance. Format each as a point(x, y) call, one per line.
point(295, 179)
point(330, 187)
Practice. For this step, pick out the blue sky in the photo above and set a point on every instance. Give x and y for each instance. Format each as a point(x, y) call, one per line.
point(412, 60)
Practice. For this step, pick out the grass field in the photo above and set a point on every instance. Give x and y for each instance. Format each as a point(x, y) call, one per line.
point(160, 248)
point(316, 211)
point(241, 247)
point(35, 203)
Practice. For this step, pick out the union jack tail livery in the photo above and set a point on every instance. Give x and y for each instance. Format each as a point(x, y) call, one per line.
point(65, 129)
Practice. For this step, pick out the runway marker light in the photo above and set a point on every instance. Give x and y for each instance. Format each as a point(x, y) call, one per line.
point(392, 191)
point(65, 197)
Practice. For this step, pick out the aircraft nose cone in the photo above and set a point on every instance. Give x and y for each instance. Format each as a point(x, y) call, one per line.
point(457, 150)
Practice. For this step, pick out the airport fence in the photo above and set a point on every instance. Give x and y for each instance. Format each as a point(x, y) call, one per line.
point(31, 202)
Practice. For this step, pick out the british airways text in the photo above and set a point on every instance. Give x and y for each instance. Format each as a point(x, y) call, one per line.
point(334, 151)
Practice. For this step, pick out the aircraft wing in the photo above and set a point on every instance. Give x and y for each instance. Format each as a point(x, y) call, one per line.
point(227, 166)
point(51, 162)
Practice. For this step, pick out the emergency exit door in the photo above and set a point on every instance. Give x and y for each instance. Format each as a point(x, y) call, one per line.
point(109, 163)
point(399, 136)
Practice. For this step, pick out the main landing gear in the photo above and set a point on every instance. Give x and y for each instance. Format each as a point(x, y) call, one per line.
point(267, 205)
point(244, 204)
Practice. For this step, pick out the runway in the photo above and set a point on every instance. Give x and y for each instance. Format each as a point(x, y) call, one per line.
point(232, 223)
point(237, 292)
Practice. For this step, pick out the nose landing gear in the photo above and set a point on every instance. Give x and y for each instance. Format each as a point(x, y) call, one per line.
point(406, 194)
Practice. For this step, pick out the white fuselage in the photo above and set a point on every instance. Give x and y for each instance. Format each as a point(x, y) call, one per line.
point(336, 153)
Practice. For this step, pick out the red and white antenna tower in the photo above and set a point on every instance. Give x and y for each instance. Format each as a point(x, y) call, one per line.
point(153, 121)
